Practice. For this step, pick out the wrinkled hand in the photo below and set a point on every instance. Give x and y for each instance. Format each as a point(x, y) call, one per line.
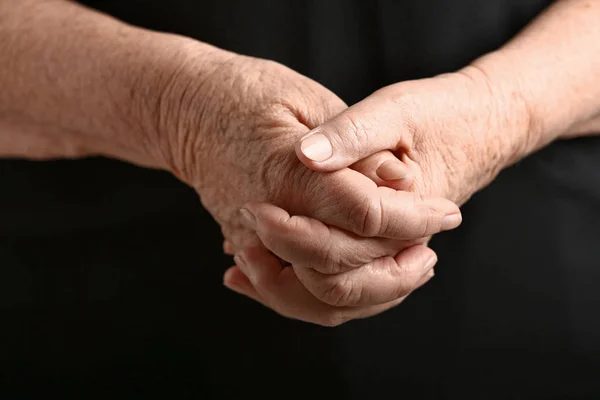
point(232, 135)
point(334, 277)
point(454, 132)
point(235, 143)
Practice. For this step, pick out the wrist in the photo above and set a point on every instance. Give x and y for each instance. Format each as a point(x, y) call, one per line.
point(172, 96)
point(508, 131)
point(483, 133)
point(521, 124)
point(161, 76)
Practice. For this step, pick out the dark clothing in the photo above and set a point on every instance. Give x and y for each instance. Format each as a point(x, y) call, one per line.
point(110, 275)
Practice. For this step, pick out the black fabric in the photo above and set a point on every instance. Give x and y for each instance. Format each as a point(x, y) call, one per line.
point(110, 276)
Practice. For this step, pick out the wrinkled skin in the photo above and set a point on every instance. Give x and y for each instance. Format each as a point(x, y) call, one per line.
point(261, 109)
point(239, 148)
point(453, 133)
point(231, 136)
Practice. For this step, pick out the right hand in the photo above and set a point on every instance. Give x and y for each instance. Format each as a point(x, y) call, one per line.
point(231, 136)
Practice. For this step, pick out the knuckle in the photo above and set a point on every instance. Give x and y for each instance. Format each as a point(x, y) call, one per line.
point(330, 263)
point(340, 258)
point(285, 226)
point(314, 242)
point(368, 216)
point(423, 216)
point(342, 291)
point(288, 183)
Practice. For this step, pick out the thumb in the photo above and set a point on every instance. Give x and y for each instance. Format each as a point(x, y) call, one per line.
point(376, 123)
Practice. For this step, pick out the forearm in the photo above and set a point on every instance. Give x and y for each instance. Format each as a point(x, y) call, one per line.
point(552, 71)
point(76, 82)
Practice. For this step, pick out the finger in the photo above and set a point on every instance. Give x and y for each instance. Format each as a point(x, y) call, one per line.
point(424, 279)
point(351, 201)
point(309, 243)
point(283, 292)
point(279, 286)
point(372, 125)
point(374, 310)
point(228, 248)
point(386, 169)
point(381, 281)
point(234, 279)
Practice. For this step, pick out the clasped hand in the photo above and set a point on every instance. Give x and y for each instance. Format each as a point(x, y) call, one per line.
point(329, 209)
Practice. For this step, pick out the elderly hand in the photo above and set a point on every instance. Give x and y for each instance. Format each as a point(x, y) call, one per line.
point(231, 136)
point(453, 133)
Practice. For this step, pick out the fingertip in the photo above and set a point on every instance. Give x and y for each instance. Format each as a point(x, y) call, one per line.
point(228, 248)
point(396, 174)
point(235, 280)
point(393, 170)
point(234, 277)
point(431, 261)
point(424, 279)
point(452, 221)
point(451, 207)
point(417, 255)
point(400, 184)
point(227, 276)
point(446, 212)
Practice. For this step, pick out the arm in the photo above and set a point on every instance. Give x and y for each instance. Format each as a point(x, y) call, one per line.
point(76, 82)
point(459, 130)
point(553, 67)
point(454, 132)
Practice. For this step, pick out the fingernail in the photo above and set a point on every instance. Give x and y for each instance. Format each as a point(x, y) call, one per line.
point(451, 221)
point(431, 263)
point(316, 147)
point(248, 218)
point(392, 170)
